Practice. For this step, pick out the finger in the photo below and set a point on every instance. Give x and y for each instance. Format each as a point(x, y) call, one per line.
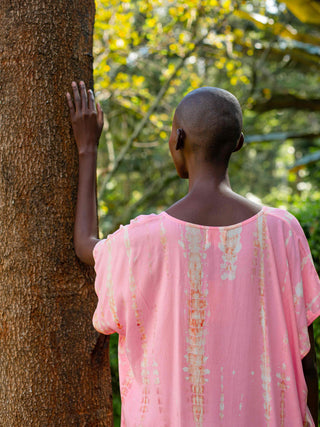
point(76, 96)
point(70, 104)
point(91, 103)
point(100, 115)
point(84, 98)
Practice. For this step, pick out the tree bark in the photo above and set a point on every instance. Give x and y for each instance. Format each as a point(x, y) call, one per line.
point(54, 367)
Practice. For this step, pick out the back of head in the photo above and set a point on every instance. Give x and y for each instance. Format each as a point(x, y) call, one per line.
point(212, 122)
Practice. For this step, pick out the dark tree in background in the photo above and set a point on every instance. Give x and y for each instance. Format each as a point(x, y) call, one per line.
point(53, 365)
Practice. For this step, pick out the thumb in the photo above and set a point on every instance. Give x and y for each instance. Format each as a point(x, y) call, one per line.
point(100, 115)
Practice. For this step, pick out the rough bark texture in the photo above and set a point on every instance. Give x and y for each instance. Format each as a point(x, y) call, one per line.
point(53, 365)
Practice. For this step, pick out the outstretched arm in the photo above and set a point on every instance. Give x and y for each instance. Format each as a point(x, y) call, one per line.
point(311, 377)
point(87, 123)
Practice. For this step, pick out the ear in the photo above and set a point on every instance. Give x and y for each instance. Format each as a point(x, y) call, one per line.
point(176, 145)
point(239, 143)
point(180, 139)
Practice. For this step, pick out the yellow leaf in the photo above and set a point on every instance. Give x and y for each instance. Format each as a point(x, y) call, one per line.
point(151, 22)
point(163, 135)
point(172, 11)
point(267, 93)
point(245, 80)
point(138, 80)
point(227, 4)
point(163, 116)
point(306, 11)
point(229, 66)
point(233, 80)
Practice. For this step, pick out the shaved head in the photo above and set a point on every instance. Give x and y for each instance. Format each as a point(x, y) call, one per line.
point(211, 120)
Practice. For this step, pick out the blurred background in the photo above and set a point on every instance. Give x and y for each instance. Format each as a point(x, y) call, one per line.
point(150, 53)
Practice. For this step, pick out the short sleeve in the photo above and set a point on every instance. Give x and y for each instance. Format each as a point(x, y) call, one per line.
point(306, 287)
point(111, 279)
point(311, 284)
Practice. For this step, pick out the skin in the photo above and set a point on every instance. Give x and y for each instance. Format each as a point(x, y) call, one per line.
point(87, 124)
point(210, 199)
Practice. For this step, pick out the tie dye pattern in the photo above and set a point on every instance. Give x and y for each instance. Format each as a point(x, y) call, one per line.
point(212, 321)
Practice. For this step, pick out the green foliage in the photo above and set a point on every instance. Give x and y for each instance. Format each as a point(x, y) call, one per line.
point(307, 212)
point(116, 400)
point(150, 53)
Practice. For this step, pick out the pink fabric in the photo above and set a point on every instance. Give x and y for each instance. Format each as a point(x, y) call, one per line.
point(212, 321)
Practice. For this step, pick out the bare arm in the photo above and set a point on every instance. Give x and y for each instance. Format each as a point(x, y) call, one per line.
point(311, 376)
point(87, 123)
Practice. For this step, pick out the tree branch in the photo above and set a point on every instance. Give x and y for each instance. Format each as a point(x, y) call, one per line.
point(280, 136)
point(282, 101)
point(306, 160)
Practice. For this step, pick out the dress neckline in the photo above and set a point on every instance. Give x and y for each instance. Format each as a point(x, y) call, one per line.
point(217, 227)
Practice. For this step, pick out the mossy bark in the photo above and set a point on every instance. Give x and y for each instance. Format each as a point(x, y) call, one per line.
point(54, 368)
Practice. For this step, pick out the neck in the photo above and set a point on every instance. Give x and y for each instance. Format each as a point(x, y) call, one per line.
point(209, 180)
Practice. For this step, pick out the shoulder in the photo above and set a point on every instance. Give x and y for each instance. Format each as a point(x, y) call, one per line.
point(135, 230)
point(282, 223)
point(139, 226)
point(283, 218)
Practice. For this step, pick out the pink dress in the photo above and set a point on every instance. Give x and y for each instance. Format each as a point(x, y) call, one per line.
point(212, 321)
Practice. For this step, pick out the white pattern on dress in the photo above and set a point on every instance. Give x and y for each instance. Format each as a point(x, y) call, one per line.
point(260, 246)
point(230, 246)
point(283, 386)
point(197, 314)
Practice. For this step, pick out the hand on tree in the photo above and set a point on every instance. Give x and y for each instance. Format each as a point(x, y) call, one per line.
point(86, 118)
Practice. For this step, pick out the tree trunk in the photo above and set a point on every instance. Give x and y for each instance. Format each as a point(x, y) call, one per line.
point(54, 368)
